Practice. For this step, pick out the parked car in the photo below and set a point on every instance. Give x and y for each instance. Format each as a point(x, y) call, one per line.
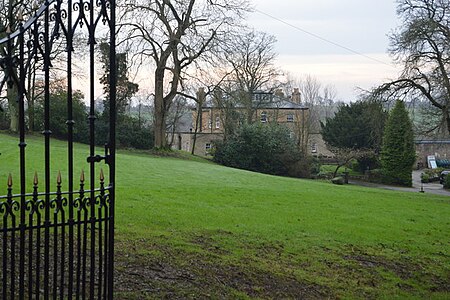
point(443, 175)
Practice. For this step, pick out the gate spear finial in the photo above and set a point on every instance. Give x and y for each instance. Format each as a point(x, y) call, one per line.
point(35, 179)
point(82, 176)
point(10, 182)
point(58, 179)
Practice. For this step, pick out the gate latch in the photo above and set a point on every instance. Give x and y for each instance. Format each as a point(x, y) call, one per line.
point(99, 158)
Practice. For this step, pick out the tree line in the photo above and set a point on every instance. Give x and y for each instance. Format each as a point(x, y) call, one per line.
point(195, 43)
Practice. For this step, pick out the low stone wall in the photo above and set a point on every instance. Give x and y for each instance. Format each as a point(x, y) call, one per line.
point(439, 148)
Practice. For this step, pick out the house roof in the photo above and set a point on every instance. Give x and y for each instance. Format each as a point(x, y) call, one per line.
point(264, 101)
point(432, 142)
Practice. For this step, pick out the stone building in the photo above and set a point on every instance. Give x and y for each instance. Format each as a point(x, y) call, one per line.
point(426, 147)
point(214, 119)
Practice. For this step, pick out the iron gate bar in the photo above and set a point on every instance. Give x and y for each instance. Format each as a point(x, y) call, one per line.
point(75, 228)
point(22, 145)
point(70, 125)
point(47, 134)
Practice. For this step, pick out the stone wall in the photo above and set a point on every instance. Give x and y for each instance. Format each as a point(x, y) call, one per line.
point(424, 148)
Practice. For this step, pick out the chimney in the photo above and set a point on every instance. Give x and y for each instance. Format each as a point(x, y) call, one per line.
point(217, 97)
point(201, 95)
point(296, 96)
point(279, 93)
point(201, 98)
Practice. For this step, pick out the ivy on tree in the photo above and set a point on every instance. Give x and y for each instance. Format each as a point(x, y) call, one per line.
point(125, 88)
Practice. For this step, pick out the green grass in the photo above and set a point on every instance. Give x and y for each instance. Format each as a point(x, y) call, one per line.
point(192, 229)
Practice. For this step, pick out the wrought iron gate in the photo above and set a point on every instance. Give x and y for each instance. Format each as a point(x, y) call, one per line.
point(57, 238)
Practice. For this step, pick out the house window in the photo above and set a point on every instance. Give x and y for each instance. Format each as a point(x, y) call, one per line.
point(208, 147)
point(209, 123)
point(313, 148)
point(263, 117)
point(290, 118)
point(217, 122)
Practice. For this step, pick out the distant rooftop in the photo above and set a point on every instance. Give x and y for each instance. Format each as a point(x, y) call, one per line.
point(265, 100)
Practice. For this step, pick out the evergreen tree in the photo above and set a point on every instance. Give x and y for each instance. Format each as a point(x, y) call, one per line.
point(398, 153)
point(356, 127)
point(125, 89)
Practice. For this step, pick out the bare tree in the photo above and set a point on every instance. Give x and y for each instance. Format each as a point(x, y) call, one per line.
point(144, 100)
point(319, 100)
point(174, 35)
point(422, 45)
point(176, 112)
point(11, 15)
point(252, 58)
point(201, 87)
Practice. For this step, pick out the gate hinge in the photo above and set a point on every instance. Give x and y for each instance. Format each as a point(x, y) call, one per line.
point(99, 158)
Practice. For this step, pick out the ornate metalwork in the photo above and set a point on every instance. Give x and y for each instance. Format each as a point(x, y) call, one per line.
point(57, 240)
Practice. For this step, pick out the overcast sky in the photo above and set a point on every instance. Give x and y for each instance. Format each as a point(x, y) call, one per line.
point(361, 25)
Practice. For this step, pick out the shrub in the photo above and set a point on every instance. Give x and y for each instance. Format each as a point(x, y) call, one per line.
point(265, 148)
point(376, 175)
point(424, 178)
point(365, 163)
point(129, 134)
point(432, 174)
point(58, 115)
point(304, 167)
point(447, 182)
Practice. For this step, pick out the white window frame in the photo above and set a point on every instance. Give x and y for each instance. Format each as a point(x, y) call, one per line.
point(217, 122)
point(264, 117)
point(313, 148)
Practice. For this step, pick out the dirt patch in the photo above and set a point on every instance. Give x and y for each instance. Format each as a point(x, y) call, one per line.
point(205, 268)
point(401, 269)
point(260, 284)
point(170, 275)
point(404, 269)
point(207, 243)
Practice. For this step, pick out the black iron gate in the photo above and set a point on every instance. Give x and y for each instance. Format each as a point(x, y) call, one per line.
point(57, 237)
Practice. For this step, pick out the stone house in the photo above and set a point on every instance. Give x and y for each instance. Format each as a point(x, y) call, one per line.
point(266, 108)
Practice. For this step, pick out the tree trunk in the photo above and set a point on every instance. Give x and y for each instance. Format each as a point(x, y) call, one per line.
point(13, 108)
point(447, 118)
point(336, 170)
point(197, 121)
point(160, 123)
point(160, 113)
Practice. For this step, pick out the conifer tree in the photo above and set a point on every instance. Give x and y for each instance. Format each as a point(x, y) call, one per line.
point(398, 153)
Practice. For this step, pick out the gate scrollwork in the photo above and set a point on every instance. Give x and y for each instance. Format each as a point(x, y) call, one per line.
point(56, 234)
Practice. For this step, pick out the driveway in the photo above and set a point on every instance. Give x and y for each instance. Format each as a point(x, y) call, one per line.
point(432, 188)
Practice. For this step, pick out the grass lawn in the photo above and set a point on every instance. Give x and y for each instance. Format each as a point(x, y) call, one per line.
point(187, 228)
